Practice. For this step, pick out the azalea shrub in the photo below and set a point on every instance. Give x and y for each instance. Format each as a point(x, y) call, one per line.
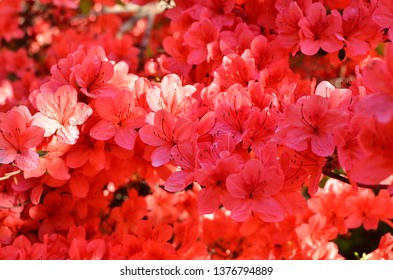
point(190, 129)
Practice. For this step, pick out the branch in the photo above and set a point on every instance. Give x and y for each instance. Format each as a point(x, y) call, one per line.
point(343, 179)
point(148, 11)
point(15, 206)
point(129, 8)
point(9, 175)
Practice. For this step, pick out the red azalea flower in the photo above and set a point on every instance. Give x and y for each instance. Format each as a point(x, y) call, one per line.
point(61, 113)
point(252, 191)
point(18, 138)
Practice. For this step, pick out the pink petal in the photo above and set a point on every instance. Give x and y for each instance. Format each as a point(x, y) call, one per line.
point(297, 138)
point(33, 136)
point(324, 89)
point(353, 221)
point(148, 135)
point(153, 96)
point(357, 46)
point(165, 121)
point(36, 172)
point(68, 134)
point(46, 104)
point(293, 115)
point(103, 130)
point(178, 181)
point(66, 98)
point(379, 105)
point(183, 130)
point(50, 125)
point(334, 120)
point(171, 87)
point(314, 107)
point(36, 193)
point(27, 161)
point(236, 186)
point(57, 169)
point(80, 114)
point(309, 47)
point(21, 185)
point(241, 212)
point(77, 248)
point(292, 202)
point(7, 154)
point(161, 155)
point(383, 15)
point(125, 137)
point(322, 145)
point(197, 56)
point(269, 210)
point(372, 169)
point(331, 44)
point(136, 119)
point(208, 201)
point(105, 108)
point(253, 172)
point(96, 248)
point(316, 13)
point(371, 222)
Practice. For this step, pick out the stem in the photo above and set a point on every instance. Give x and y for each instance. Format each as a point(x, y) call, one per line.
point(346, 180)
point(129, 8)
point(9, 175)
point(15, 206)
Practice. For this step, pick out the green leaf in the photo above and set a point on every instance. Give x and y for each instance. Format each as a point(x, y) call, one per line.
point(85, 6)
point(42, 153)
point(380, 49)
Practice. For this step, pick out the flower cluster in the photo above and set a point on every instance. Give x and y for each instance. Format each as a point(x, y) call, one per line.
point(144, 134)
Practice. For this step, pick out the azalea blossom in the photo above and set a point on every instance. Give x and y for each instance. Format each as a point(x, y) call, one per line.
point(311, 122)
point(201, 37)
point(377, 76)
point(60, 113)
point(376, 164)
point(382, 15)
point(287, 26)
point(120, 119)
point(164, 134)
point(252, 191)
point(233, 109)
point(213, 179)
point(51, 161)
point(172, 96)
point(360, 33)
point(19, 138)
point(92, 74)
point(318, 30)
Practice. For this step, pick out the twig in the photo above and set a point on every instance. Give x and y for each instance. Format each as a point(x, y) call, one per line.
point(129, 8)
point(15, 206)
point(343, 179)
point(9, 175)
point(148, 11)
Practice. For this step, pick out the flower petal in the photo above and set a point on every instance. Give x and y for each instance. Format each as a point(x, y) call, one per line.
point(103, 130)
